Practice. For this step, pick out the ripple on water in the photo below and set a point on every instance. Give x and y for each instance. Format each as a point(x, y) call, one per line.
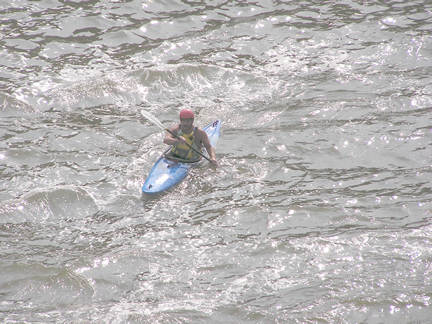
point(50, 205)
point(47, 288)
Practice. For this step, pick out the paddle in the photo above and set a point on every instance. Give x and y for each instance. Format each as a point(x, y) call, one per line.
point(156, 121)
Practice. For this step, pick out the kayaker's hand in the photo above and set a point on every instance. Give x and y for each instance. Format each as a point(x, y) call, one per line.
point(181, 140)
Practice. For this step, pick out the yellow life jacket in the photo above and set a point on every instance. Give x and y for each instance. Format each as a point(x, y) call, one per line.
point(183, 151)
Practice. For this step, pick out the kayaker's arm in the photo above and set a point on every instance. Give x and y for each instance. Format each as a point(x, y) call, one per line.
point(209, 148)
point(170, 139)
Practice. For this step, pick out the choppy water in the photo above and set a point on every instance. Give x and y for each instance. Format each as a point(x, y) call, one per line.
point(320, 213)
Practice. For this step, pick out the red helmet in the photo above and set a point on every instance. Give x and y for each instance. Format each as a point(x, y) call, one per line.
point(186, 114)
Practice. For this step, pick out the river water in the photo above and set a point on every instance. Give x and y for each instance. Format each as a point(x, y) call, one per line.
point(320, 211)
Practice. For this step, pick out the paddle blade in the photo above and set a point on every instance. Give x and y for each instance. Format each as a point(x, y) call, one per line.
point(153, 119)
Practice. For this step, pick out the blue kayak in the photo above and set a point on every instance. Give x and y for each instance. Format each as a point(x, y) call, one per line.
point(166, 173)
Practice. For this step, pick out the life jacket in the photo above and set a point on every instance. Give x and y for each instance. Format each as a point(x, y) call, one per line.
point(183, 151)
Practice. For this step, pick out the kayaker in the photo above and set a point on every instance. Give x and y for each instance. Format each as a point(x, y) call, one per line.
point(188, 133)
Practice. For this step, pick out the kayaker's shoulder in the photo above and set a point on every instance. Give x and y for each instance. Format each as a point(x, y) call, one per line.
point(200, 132)
point(175, 128)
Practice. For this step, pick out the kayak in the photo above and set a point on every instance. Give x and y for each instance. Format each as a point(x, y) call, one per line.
point(166, 173)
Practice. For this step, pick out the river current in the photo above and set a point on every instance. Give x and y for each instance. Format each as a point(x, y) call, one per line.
point(320, 211)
